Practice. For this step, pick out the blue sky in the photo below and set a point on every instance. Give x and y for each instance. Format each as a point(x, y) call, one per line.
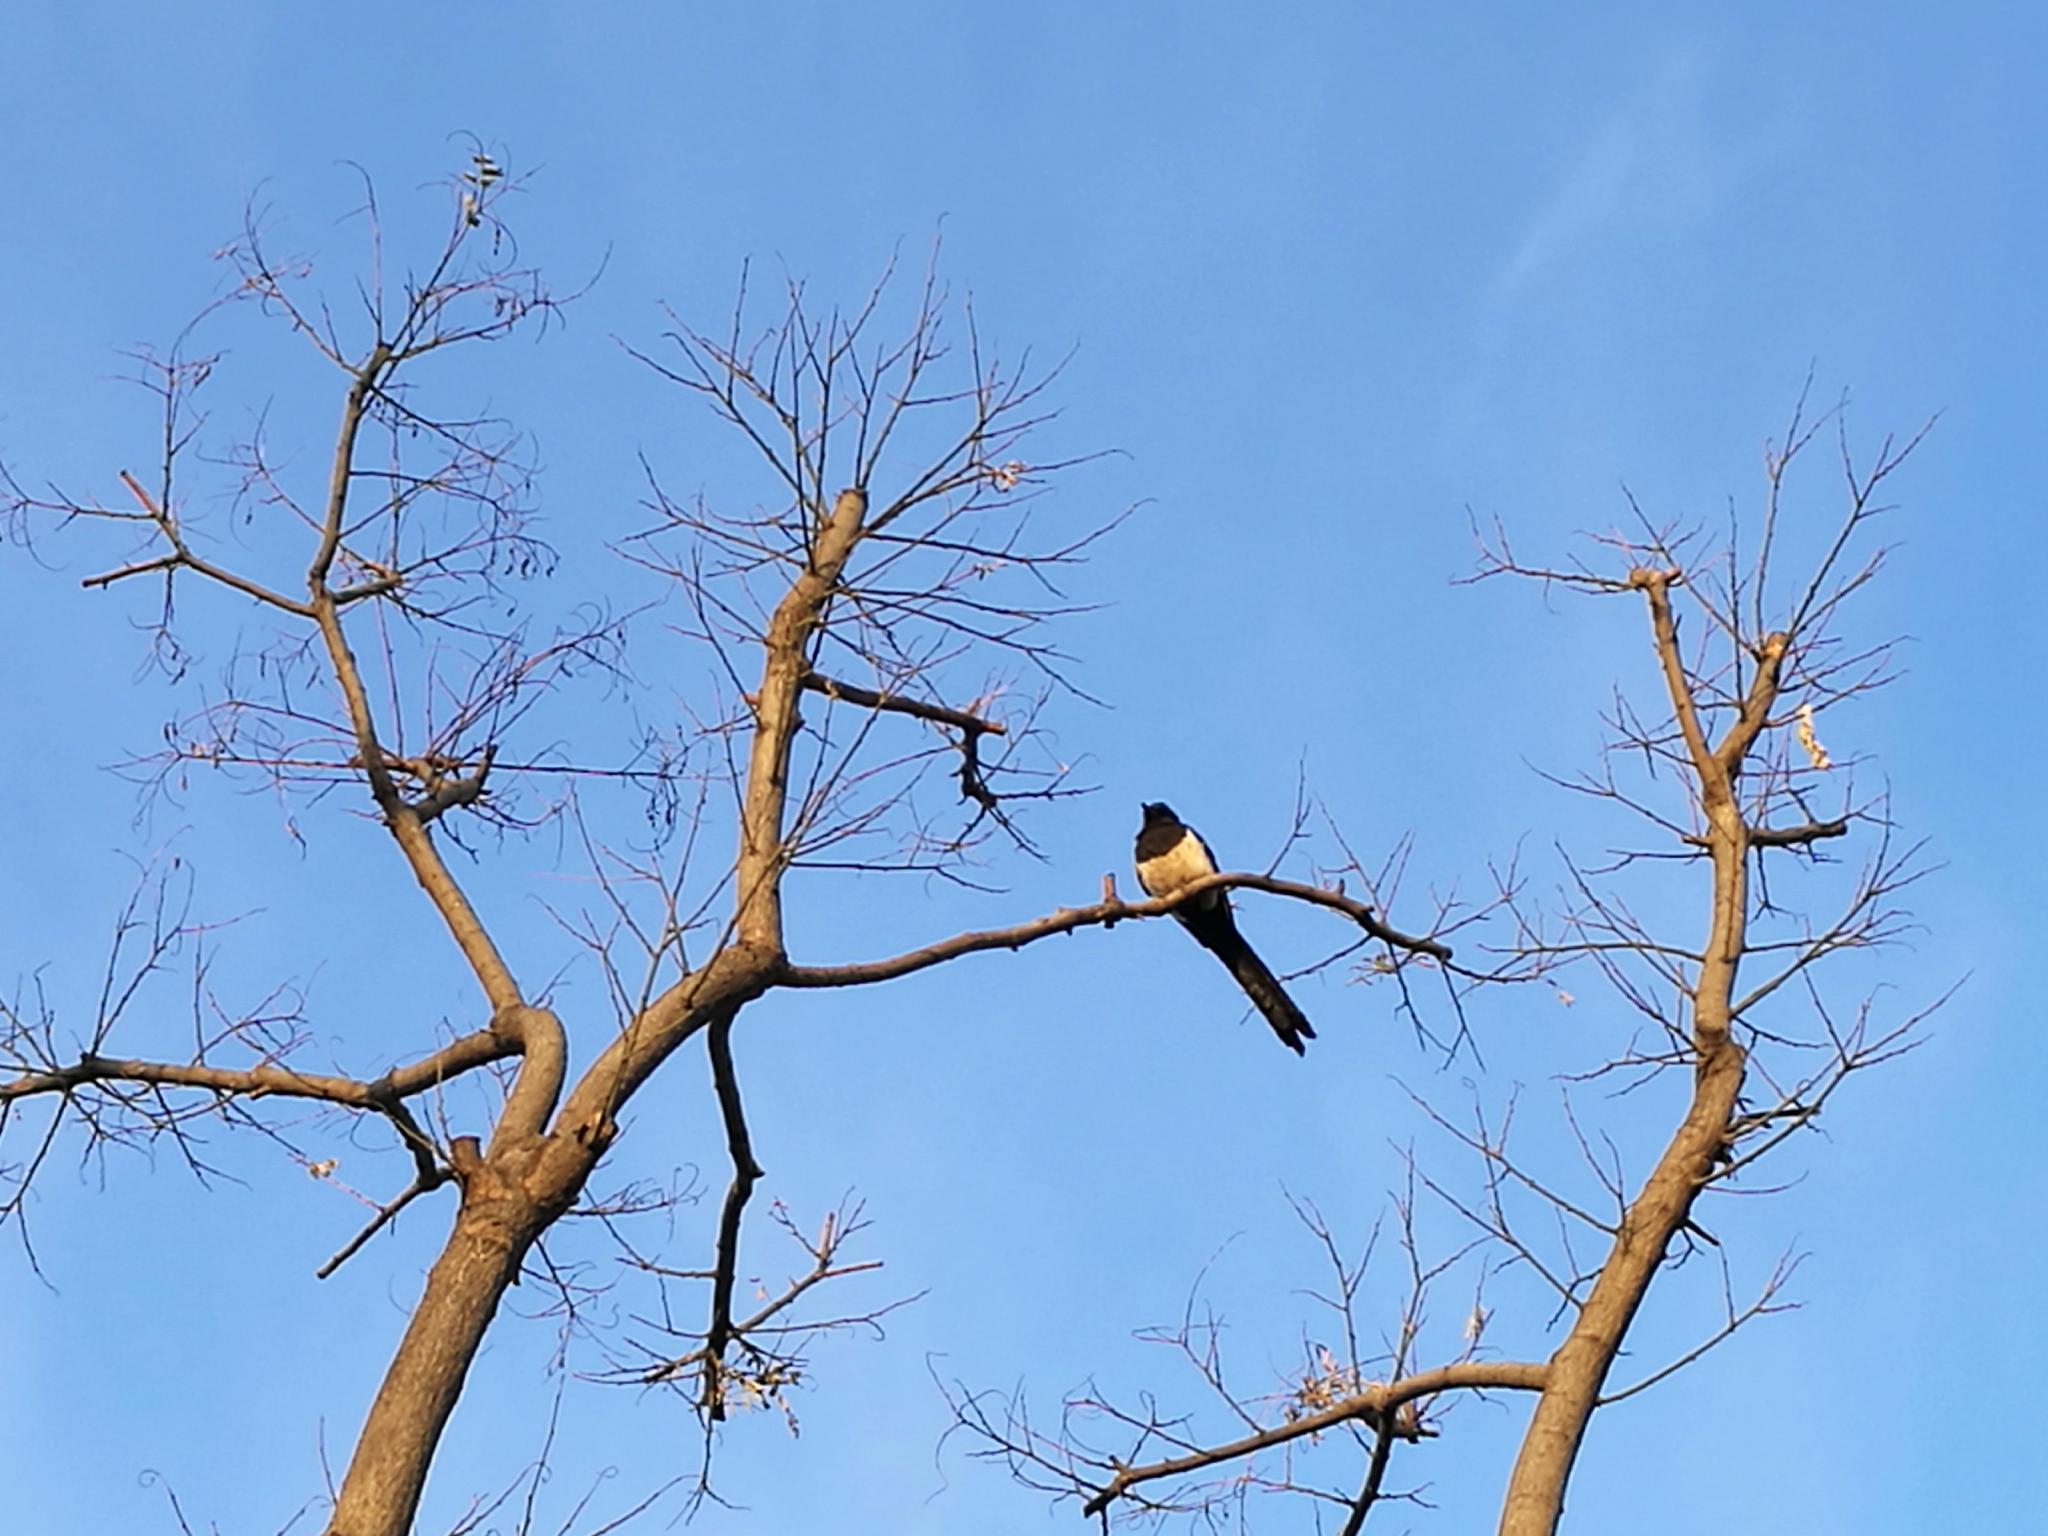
point(1334, 274)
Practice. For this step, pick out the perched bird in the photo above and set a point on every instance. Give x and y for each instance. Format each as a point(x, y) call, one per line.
point(1172, 856)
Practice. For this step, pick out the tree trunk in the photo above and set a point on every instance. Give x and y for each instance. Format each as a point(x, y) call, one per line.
point(497, 1222)
point(1578, 1371)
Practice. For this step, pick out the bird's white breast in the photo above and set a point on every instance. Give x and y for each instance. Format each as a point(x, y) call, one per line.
point(1185, 862)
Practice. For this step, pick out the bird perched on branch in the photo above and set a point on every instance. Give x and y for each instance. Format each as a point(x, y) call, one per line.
point(1172, 856)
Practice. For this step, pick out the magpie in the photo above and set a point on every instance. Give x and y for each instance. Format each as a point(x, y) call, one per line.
point(1172, 856)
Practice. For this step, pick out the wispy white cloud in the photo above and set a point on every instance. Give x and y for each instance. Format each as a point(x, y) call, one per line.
point(1646, 166)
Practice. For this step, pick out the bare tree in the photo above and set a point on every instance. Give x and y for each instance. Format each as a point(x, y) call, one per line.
point(882, 623)
point(1736, 1029)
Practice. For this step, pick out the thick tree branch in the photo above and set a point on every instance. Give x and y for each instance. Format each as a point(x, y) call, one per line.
point(1799, 836)
point(1375, 1405)
point(364, 382)
point(738, 971)
point(1655, 585)
point(1662, 1207)
point(1756, 704)
point(536, 1035)
point(377, 1094)
point(792, 631)
point(383, 1095)
point(1535, 1494)
point(1102, 913)
point(532, 1032)
point(1375, 1476)
point(250, 1082)
point(447, 790)
point(462, 1054)
point(745, 1172)
point(404, 822)
point(896, 703)
point(586, 1123)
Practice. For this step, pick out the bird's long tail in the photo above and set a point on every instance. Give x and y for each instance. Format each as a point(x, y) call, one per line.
point(1261, 986)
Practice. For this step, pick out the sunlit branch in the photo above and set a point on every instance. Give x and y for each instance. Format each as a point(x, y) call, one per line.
point(1102, 914)
point(1375, 1405)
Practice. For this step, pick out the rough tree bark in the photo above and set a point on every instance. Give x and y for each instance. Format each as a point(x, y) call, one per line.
point(513, 1194)
point(1580, 1366)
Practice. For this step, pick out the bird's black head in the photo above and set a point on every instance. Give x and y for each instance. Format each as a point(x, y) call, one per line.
point(1157, 811)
